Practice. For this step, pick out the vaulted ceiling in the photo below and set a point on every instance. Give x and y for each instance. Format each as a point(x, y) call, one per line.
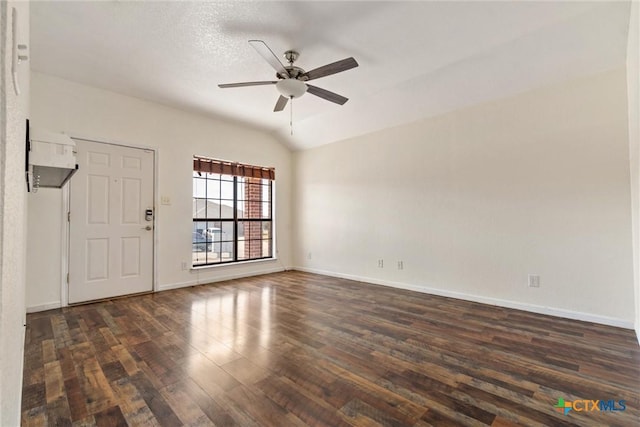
point(417, 59)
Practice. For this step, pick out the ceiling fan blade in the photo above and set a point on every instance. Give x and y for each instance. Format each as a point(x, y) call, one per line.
point(227, 85)
point(325, 94)
point(270, 57)
point(333, 68)
point(281, 103)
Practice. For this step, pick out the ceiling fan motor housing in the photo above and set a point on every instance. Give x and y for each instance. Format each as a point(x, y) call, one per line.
point(290, 86)
point(295, 72)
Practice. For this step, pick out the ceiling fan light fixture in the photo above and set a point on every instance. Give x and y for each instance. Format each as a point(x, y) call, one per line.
point(291, 88)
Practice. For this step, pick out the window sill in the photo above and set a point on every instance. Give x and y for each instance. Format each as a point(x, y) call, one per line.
point(233, 264)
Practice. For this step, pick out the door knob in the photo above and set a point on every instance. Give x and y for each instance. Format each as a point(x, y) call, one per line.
point(148, 228)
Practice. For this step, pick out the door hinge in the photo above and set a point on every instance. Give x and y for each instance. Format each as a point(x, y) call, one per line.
point(69, 216)
point(67, 278)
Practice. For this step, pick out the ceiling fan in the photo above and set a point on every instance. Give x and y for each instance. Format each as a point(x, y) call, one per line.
point(292, 80)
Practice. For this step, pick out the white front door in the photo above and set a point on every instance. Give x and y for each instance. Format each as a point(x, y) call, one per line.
point(110, 235)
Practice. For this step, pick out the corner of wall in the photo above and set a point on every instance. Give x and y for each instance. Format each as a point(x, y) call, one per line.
point(633, 98)
point(14, 110)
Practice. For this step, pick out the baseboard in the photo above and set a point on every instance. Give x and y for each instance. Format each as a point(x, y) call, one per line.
point(219, 278)
point(58, 304)
point(44, 307)
point(551, 311)
point(179, 285)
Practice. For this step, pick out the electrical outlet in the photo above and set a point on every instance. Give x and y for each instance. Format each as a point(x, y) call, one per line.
point(165, 200)
point(185, 265)
point(380, 263)
point(534, 281)
point(400, 265)
point(309, 255)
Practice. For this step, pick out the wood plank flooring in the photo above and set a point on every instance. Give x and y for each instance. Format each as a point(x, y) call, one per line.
point(296, 349)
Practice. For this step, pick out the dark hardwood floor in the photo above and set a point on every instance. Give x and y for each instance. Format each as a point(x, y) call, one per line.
point(294, 349)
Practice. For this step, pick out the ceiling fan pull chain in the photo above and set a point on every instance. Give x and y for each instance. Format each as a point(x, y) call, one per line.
point(291, 116)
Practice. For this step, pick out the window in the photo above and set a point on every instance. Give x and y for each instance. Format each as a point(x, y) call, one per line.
point(232, 212)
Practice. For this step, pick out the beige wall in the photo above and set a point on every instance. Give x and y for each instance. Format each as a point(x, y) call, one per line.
point(13, 113)
point(633, 91)
point(473, 201)
point(60, 105)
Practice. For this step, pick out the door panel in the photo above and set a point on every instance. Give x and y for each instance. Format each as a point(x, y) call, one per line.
point(131, 200)
point(130, 252)
point(98, 199)
point(97, 259)
point(111, 243)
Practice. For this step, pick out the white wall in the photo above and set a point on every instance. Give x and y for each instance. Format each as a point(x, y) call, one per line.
point(13, 113)
point(45, 232)
point(61, 105)
point(633, 91)
point(475, 200)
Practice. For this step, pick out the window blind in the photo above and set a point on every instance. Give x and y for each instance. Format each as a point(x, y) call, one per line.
point(207, 165)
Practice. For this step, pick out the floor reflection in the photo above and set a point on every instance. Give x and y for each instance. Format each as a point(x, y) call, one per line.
point(224, 327)
point(265, 317)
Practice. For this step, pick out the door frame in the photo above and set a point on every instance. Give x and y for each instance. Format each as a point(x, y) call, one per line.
point(66, 207)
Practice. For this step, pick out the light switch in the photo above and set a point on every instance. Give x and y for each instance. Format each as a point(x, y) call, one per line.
point(165, 200)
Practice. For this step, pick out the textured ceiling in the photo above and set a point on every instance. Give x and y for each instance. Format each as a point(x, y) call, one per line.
point(417, 59)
